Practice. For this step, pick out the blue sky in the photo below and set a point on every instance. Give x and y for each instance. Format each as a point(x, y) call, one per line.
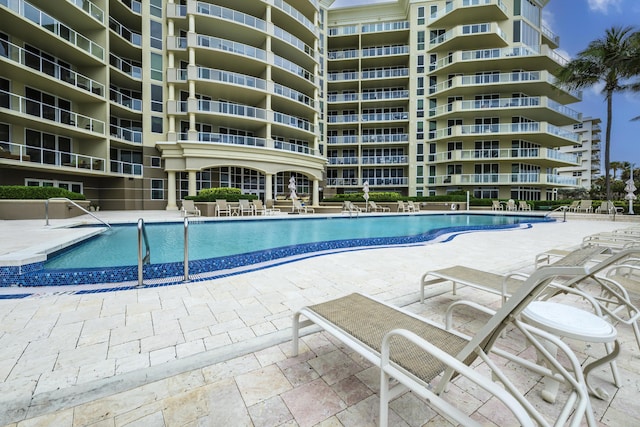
point(578, 22)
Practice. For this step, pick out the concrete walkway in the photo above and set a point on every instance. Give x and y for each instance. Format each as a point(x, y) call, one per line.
point(217, 352)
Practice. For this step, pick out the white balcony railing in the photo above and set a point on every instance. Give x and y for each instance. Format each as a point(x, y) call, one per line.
point(56, 158)
point(28, 106)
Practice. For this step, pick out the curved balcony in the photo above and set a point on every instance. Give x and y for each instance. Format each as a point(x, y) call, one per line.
point(469, 36)
point(538, 82)
point(127, 42)
point(369, 139)
point(542, 133)
point(22, 105)
point(128, 67)
point(293, 121)
point(126, 168)
point(219, 138)
point(537, 108)
point(527, 57)
point(125, 101)
point(125, 134)
point(528, 178)
point(51, 25)
point(295, 14)
point(543, 156)
point(241, 52)
point(468, 11)
point(18, 55)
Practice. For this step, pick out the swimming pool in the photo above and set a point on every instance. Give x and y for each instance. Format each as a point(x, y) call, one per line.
point(219, 248)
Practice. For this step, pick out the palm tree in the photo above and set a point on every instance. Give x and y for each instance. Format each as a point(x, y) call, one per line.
point(614, 168)
point(605, 60)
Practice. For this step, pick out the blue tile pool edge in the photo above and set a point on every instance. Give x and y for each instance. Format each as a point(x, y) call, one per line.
point(172, 273)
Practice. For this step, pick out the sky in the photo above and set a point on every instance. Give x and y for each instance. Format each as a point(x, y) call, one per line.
point(578, 22)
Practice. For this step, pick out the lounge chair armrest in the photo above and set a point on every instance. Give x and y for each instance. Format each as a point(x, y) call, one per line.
point(448, 317)
point(443, 407)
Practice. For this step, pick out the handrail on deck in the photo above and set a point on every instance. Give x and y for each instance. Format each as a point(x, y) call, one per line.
point(46, 209)
point(146, 259)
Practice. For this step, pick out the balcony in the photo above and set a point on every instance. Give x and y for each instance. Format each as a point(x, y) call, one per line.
point(54, 158)
point(549, 156)
point(53, 26)
point(134, 104)
point(90, 8)
point(125, 168)
point(131, 68)
point(130, 36)
point(539, 82)
point(22, 105)
point(125, 134)
point(248, 141)
point(369, 139)
point(12, 52)
point(374, 182)
point(537, 108)
point(468, 11)
point(529, 178)
point(295, 14)
point(536, 132)
point(471, 35)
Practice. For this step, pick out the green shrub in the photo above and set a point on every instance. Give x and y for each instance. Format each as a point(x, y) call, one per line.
point(21, 192)
point(376, 196)
point(227, 193)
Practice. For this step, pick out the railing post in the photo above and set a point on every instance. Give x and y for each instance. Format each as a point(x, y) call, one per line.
point(46, 212)
point(186, 249)
point(140, 257)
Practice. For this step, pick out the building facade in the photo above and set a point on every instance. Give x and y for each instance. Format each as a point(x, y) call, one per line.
point(138, 104)
point(587, 151)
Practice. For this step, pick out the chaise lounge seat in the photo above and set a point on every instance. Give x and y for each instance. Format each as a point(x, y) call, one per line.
point(415, 351)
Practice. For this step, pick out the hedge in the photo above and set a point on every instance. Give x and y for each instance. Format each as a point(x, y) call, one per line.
point(225, 193)
point(20, 192)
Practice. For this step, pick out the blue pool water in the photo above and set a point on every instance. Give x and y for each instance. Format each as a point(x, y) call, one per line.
point(258, 241)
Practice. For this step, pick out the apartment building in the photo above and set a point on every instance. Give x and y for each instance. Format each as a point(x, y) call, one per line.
point(587, 152)
point(434, 97)
point(138, 104)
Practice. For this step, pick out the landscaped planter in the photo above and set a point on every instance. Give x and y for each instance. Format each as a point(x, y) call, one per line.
point(35, 209)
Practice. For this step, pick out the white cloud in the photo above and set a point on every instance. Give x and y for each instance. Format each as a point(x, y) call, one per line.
point(604, 6)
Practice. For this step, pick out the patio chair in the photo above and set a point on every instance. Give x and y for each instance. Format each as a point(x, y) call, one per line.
point(350, 208)
point(504, 285)
point(245, 207)
point(607, 207)
point(585, 206)
point(415, 351)
point(300, 208)
point(613, 241)
point(496, 205)
point(573, 206)
point(413, 207)
point(511, 205)
point(524, 206)
point(189, 208)
point(260, 208)
point(373, 207)
point(222, 208)
point(403, 207)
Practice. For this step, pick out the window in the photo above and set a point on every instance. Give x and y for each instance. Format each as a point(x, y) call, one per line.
point(156, 98)
point(156, 8)
point(157, 189)
point(156, 124)
point(155, 161)
point(76, 187)
point(156, 66)
point(156, 34)
point(421, 15)
point(420, 40)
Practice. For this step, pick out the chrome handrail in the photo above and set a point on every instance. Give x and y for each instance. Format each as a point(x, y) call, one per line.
point(186, 249)
point(146, 259)
point(46, 209)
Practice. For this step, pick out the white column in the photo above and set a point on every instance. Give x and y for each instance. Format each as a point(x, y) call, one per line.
point(315, 200)
point(192, 183)
point(268, 187)
point(171, 191)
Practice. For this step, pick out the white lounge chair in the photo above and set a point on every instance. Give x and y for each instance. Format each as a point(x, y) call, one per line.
point(189, 208)
point(260, 208)
point(414, 207)
point(415, 351)
point(607, 207)
point(403, 207)
point(524, 206)
point(511, 205)
point(496, 205)
point(222, 208)
point(300, 208)
point(245, 207)
point(374, 207)
point(585, 206)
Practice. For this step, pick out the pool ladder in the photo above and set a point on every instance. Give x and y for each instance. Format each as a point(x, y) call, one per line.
point(146, 258)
